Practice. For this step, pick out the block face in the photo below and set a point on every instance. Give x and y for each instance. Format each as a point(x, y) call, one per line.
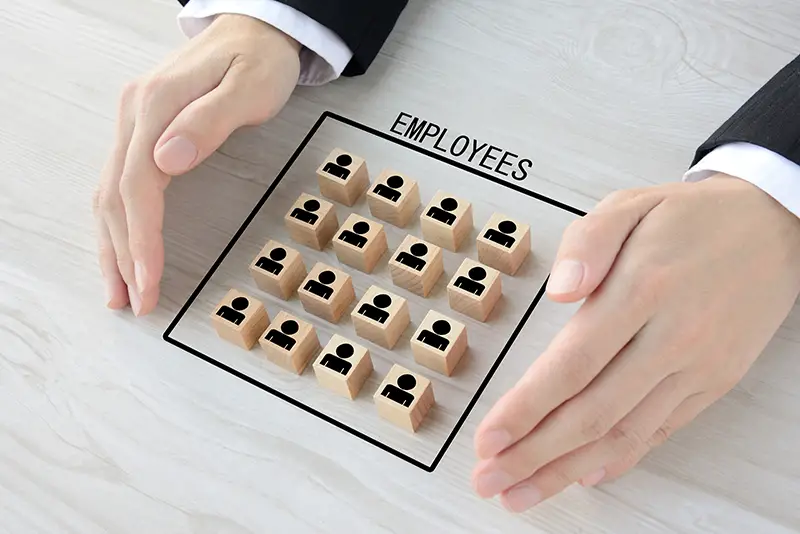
point(474, 289)
point(290, 342)
point(394, 198)
point(240, 319)
point(326, 292)
point(416, 265)
point(447, 221)
point(343, 177)
point(504, 243)
point(381, 317)
point(439, 343)
point(278, 269)
point(311, 221)
point(360, 243)
point(404, 398)
point(343, 366)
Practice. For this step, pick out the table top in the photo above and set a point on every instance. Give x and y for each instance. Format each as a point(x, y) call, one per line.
point(104, 427)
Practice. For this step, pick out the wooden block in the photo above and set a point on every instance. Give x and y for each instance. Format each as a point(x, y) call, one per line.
point(504, 244)
point(343, 367)
point(416, 265)
point(343, 177)
point(393, 198)
point(311, 221)
point(404, 398)
point(439, 343)
point(360, 243)
point(475, 289)
point(278, 270)
point(240, 319)
point(381, 317)
point(326, 292)
point(447, 221)
point(290, 342)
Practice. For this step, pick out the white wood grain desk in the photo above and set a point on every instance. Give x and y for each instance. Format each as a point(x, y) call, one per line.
point(106, 428)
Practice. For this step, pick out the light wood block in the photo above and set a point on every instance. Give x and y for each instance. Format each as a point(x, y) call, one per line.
point(381, 317)
point(343, 366)
point(290, 343)
point(504, 244)
point(394, 198)
point(343, 177)
point(474, 289)
point(311, 221)
point(360, 243)
point(404, 398)
point(447, 221)
point(439, 343)
point(416, 265)
point(278, 270)
point(240, 319)
point(326, 292)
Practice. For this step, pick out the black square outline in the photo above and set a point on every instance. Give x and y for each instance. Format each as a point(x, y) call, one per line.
point(349, 122)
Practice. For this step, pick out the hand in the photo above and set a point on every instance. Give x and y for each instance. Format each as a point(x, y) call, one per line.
point(238, 72)
point(686, 284)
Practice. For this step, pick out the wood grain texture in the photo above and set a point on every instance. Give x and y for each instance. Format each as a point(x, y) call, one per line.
point(120, 432)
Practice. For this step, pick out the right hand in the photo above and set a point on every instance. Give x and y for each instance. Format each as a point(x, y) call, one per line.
point(239, 71)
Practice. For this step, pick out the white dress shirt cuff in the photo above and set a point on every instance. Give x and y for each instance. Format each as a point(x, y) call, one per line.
point(324, 55)
point(771, 172)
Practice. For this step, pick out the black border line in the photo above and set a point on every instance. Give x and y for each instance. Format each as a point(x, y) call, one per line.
point(167, 336)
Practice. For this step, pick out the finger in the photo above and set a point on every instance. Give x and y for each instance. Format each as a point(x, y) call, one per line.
point(142, 184)
point(683, 415)
point(585, 418)
point(591, 244)
point(579, 352)
point(116, 290)
point(202, 126)
point(110, 203)
point(628, 435)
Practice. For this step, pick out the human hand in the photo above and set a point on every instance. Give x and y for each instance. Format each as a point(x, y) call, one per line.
point(686, 284)
point(239, 71)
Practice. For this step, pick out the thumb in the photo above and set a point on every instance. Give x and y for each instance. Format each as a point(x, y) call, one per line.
point(591, 244)
point(202, 126)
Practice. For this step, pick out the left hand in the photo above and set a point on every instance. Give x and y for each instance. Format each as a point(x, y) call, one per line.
point(685, 284)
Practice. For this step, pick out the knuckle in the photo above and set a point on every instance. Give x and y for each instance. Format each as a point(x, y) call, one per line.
point(150, 89)
point(625, 440)
point(661, 435)
point(579, 368)
point(593, 427)
point(128, 95)
point(648, 284)
point(109, 202)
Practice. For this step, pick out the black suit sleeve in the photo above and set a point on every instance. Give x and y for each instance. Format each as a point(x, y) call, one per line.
point(770, 119)
point(363, 25)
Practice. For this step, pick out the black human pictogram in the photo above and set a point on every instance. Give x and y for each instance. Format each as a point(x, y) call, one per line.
point(472, 284)
point(272, 264)
point(338, 362)
point(338, 169)
point(355, 236)
point(283, 338)
point(444, 213)
point(435, 338)
point(390, 190)
point(502, 236)
point(414, 260)
point(233, 313)
point(376, 311)
point(399, 393)
point(306, 213)
point(321, 287)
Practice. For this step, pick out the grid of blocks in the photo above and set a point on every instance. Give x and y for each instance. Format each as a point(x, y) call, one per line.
point(342, 365)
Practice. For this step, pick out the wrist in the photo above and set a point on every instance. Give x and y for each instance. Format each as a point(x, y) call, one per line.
point(243, 24)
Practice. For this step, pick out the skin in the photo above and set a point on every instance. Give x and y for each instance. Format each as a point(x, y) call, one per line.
point(684, 284)
point(238, 72)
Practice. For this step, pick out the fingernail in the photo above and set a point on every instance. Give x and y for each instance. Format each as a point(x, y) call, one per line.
point(109, 292)
point(566, 277)
point(140, 273)
point(492, 482)
point(522, 497)
point(176, 155)
point(494, 442)
point(135, 300)
point(593, 479)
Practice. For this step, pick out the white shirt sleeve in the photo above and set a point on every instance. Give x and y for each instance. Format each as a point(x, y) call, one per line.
point(324, 55)
point(771, 172)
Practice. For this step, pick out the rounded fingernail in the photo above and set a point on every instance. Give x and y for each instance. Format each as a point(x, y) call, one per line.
point(176, 155)
point(490, 483)
point(566, 277)
point(522, 497)
point(493, 442)
point(110, 292)
point(135, 300)
point(140, 273)
point(593, 479)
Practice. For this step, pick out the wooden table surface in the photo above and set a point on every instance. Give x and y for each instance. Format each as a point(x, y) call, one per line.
point(104, 427)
